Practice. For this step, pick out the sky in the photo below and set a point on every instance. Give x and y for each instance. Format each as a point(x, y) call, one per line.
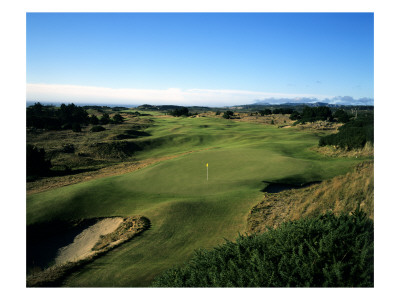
point(210, 59)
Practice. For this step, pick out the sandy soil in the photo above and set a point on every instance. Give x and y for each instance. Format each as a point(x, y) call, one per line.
point(84, 242)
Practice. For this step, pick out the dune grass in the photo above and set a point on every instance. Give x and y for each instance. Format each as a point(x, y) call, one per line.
point(186, 211)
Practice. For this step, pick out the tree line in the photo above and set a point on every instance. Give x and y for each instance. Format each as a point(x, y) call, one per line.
point(66, 117)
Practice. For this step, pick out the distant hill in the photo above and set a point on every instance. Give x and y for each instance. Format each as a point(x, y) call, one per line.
point(332, 102)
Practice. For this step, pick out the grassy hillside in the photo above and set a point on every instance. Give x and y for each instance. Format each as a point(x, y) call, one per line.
point(341, 194)
point(186, 211)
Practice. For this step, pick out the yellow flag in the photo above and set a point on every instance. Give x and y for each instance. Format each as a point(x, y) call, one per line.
point(207, 164)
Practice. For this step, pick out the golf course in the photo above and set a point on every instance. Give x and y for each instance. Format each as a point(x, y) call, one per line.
point(187, 210)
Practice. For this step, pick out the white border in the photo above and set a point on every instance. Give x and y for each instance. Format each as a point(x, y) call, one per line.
point(386, 101)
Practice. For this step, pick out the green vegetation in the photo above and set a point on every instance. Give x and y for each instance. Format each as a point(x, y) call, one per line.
point(36, 162)
point(282, 111)
point(325, 251)
point(186, 211)
point(48, 117)
point(117, 119)
point(265, 112)
point(179, 112)
point(97, 128)
point(94, 120)
point(312, 114)
point(354, 134)
point(228, 114)
point(341, 116)
point(105, 119)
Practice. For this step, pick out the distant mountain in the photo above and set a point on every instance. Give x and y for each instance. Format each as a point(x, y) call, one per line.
point(331, 102)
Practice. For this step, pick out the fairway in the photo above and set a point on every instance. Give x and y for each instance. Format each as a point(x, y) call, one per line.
point(187, 211)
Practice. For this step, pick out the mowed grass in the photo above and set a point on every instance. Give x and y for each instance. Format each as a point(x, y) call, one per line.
point(186, 211)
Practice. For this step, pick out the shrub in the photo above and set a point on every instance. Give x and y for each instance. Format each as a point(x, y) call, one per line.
point(282, 111)
point(117, 119)
point(295, 116)
point(178, 112)
point(264, 112)
point(326, 251)
point(228, 114)
point(354, 134)
point(94, 120)
point(68, 148)
point(36, 163)
point(105, 119)
point(312, 114)
point(97, 128)
point(76, 127)
point(119, 150)
point(341, 116)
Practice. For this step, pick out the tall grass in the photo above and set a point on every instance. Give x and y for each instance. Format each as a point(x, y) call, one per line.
point(343, 193)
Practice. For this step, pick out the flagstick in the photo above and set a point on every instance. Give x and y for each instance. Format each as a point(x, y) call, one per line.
point(207, 172)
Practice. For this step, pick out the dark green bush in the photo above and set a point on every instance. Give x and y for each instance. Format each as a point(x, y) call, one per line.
point(354, 134)
point(341, 116)
point(312, 114)
point(264, 112)
point(94, 120)
point(228, 114)
point(325, 251)
point(117, 119)
point(178, 112)
point(105, 119)
point(295, 116)
point(36, 162)
point(76, 127)
point(282, 111)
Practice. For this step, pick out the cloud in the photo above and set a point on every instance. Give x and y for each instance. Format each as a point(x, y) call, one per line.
point(348, 100)
point(207, 97)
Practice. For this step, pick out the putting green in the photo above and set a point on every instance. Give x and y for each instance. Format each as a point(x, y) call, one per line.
point(187, 212)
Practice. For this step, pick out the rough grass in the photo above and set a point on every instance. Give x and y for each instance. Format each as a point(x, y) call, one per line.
point(334, 151)
point(340, 194)
point(129, 227)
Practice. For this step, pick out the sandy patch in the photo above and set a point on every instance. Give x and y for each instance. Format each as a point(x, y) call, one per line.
point(83, 243)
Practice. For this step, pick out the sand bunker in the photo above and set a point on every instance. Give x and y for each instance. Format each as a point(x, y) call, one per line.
point(83, 243)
